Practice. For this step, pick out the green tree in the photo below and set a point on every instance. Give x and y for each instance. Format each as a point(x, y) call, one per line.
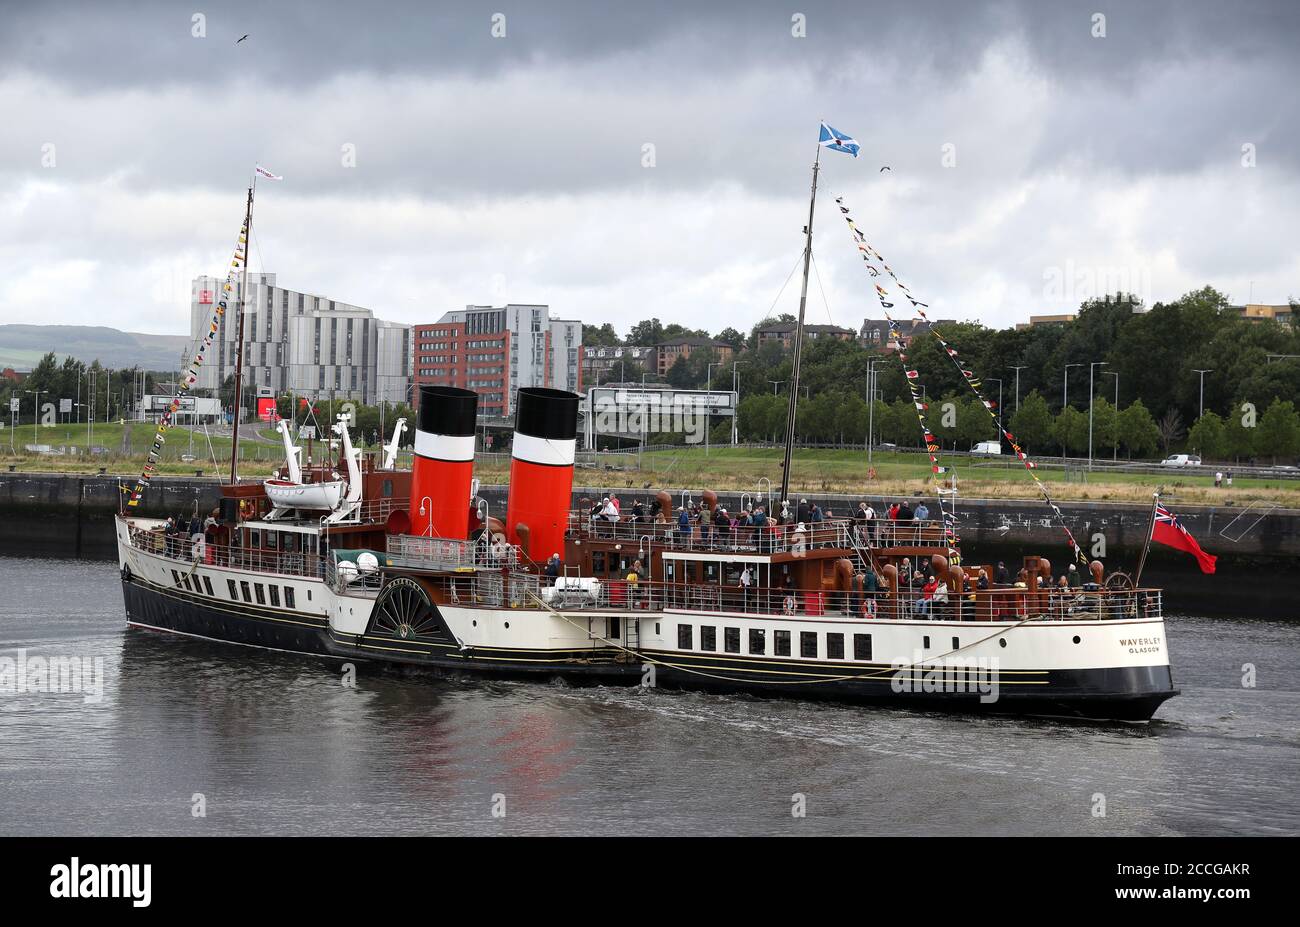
point(1070, 430)
point(1279, 431)
point(1032, 425)
point(1137, 430)
point(1208, 437)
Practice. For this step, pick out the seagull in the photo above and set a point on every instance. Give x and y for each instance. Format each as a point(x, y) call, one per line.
point(241, 38)
point(881, 171)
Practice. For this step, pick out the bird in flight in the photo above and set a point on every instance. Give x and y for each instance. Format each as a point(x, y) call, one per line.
point(241, 38)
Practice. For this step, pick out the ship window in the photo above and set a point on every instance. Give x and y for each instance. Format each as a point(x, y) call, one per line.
point(808, 644)
point(248, 595)
point(261, 593)
point(956, 644)
point(288, 596)
point(597, 561)
point(862, 646)
point(925, 642)
point(255, 538)
point(234, 593)
point(207, 584)
point(613, 626)
point(834, 646)
point(275, 595)
point(757, 640)
point(708, 638)
point(272, 540)
point(685, 637)
point(781, 643)
point(731, 641)
point(388, 489)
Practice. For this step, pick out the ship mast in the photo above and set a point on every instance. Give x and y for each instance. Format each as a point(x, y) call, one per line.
point(798, 336)
point(239, 339)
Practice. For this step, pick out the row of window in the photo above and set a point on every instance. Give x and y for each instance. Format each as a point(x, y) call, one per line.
point(260, 591)
point(782, 642)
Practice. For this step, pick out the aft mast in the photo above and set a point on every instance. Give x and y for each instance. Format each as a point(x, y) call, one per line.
point(798, 335)
point(239, 340)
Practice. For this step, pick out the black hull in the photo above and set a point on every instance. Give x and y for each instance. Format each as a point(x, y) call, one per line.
point(1116, 694)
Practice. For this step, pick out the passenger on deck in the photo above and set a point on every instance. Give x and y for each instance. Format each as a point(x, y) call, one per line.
point(706, 526)
point(922, 512)
point(905, 512)
point(608, 511)
point(983, 582)
point(552, 570)
point(804, 512)
point(745, 579)
point(799, 540)
point(892, 512)
point(940, 598)
point(1073, 574)
point(683, 523)
point(925, 604)
point(1002, 576)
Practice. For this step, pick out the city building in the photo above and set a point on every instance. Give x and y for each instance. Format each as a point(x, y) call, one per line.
point(667, 352)
point(1258, 312)
point(601, 361)
point(494, 350)
point(784, 333)
point(301, 343)
point(193, 410)
point(1063, 318)
point(875, 332)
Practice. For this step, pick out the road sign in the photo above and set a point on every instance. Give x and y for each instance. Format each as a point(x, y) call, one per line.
point(65, 405)
point(13, 405)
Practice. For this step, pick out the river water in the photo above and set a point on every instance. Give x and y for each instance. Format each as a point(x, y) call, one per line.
point(191, 737)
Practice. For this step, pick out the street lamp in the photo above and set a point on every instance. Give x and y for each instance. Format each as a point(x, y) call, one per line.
point(735, 391)
point(36, 413)
point(1115, 433)
point(1065, 401)
point(1091, 395)
point(708, 399)
point(775, 384)
point(1201, 411)
point(871, 403)
point(999, 383)
point(1017, 370)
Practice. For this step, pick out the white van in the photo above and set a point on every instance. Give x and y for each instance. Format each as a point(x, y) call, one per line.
point(987, 448)
point(1181, 460)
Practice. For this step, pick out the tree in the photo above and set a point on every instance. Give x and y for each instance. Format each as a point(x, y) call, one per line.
point(603, 336)
point(1070, 430)
point(646, 333)
point(732, 337)
point(1208, 437)
point(1032, 425)
point(1137, 430)
point(1104, 425)
point(1171, 428)
point(1279, 431)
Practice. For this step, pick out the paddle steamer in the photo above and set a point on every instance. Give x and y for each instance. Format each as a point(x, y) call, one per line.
point(359, 560)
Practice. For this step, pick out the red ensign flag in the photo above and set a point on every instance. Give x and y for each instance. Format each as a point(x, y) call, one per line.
point(1169, 531)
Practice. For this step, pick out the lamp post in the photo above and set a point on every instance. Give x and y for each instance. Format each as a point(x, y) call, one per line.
point(708, 389)
point(1065, 401)
point(775, 384)
point(1115, 433)
point(36, 413)
point(871, 404)
point(735, 395)
point(1091, 395)
point(1017, 370)
point(999, 383)
point(1201, 410)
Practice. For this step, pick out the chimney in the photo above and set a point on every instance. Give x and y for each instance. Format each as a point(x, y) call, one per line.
point(444, 462)
point(541, 470)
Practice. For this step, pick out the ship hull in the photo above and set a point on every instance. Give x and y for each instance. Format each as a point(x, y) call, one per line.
point(1126, 693)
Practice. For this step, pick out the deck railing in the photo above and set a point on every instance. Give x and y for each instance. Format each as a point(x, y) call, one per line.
point(181, 548)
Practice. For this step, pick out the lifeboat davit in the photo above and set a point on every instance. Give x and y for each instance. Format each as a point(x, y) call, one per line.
point(288, 494)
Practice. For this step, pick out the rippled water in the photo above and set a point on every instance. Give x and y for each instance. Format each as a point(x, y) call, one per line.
point(276, 744)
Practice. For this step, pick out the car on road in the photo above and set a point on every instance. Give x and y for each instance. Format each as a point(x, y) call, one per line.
point(1181, 460)
point(987, 448)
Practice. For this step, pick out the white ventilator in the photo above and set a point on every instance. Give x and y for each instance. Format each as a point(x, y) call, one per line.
point(292, 453)
point(390, 450)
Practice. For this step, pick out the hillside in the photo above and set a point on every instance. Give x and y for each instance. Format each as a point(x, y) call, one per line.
point(21, 346)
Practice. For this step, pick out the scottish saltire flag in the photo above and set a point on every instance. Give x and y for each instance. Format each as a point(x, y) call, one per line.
point(838, 141)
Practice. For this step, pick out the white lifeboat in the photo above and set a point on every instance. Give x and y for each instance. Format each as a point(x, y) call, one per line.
point(288, 494)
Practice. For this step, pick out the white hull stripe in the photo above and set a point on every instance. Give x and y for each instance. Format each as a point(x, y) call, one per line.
point(457, 448)
point(550, 452)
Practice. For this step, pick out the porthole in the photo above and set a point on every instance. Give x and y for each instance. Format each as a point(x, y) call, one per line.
point(507, 624)
point(474, 623)
point(1002, 641)
point(1076, 638)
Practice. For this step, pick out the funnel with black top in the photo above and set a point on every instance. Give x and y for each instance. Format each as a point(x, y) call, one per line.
point(444, 462)
point(541, 470)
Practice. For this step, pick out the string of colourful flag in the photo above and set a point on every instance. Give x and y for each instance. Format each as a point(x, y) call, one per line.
point(912, 377)
point(870, 255)
point(192, 375)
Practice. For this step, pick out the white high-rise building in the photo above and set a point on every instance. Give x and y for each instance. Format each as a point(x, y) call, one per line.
point(301, 343)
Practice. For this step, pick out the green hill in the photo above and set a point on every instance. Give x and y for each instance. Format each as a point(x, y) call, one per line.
point(21, 346)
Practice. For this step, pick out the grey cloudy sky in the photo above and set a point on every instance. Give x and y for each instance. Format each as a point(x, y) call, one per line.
point(510, 169)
